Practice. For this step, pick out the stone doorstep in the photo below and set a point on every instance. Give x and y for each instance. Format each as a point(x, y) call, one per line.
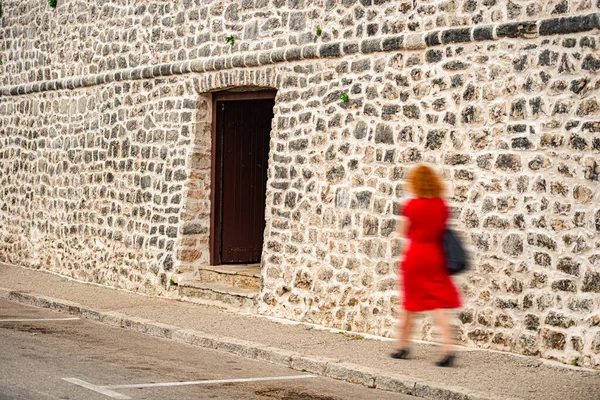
point(219, 294)
point(236, 276)
point(250, 270)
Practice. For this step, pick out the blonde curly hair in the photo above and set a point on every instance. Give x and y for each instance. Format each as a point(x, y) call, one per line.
point(423, 182)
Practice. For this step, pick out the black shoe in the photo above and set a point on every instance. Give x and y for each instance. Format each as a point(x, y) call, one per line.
point(447, 361)
point(401, 354)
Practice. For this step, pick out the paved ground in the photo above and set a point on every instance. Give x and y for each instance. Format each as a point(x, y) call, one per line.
point(488, 374)
point(37, 355)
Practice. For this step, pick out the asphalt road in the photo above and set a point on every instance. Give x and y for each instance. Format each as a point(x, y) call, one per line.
point(37, 356)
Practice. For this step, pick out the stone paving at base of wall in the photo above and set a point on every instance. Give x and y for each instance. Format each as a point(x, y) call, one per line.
point(479, 374)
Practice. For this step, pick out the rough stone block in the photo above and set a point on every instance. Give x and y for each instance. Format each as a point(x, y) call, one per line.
point(414, 42)
point(567, 25)
point(591, 62)
point(591, 282)
point(312, 364)
point(532, 322)
point(309, 52)
point(458, 35)
point(568, 266)
point(396, 383)
point(554, 340)
point(330, 50)
point(278, 55)
point(351, 47)
point(433, 39)
point(513, 245)
point(238, 61)
point(564, 285)
point(370, 46)
point(559, 320)
point(351, 373)
point(393, 43)
point(525, 29)
point(482, 33)
point(274, 355)
point(509, 162)
point(293, 54)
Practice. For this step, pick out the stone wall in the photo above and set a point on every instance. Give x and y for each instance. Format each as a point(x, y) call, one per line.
point(95, 93)
point(513, 126)
point(93, 180)
point(82, 37)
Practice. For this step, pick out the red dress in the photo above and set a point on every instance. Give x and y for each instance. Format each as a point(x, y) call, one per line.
point(427, 285)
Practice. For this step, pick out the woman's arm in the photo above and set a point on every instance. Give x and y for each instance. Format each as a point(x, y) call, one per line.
point(403, 222)
point(402, 226)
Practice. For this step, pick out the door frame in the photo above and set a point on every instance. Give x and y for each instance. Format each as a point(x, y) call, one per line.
point(217, 166)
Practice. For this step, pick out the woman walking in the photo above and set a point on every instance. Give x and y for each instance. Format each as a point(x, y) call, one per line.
point(426, 282)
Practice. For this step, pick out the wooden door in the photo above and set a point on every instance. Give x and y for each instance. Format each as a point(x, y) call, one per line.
point(244, 131)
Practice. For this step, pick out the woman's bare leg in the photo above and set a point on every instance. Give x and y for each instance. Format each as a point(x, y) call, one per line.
point(405, 330)
point(444, 324)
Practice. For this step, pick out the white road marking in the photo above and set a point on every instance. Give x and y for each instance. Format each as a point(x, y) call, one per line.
point(106, 390)
point(213, 382)
point(37, 319)
point(97, 389)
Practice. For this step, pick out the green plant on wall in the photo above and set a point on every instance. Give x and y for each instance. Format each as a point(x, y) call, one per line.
point(345, 98)
point(230, 40)
point(319, 32)
point(52, 4)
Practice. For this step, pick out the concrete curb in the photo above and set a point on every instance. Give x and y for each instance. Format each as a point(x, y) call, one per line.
point(323, 366)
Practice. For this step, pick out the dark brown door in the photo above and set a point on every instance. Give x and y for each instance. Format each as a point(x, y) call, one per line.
point(245, 127)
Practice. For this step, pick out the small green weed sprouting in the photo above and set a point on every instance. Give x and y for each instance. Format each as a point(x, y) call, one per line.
point(52, 3)
point(575, 363)
point(319, 31)
point(173, 283)
point(0, 62)
point(230, 40)
point(345, 98)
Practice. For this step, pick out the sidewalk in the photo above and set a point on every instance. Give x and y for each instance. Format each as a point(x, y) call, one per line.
point(479, 374)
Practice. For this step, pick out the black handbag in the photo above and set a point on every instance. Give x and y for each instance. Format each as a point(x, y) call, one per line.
point(456, 256)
